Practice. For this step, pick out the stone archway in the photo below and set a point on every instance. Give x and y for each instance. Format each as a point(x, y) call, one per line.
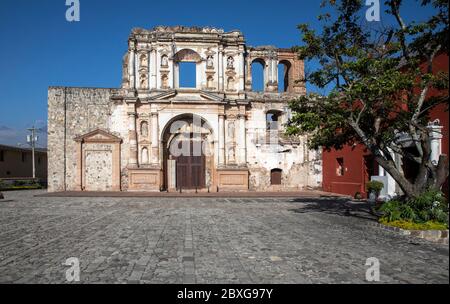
point(188, 153)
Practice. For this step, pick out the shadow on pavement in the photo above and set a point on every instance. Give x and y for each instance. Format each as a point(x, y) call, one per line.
point(336, 206)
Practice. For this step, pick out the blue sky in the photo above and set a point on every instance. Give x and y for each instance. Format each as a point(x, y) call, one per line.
point(40, 48)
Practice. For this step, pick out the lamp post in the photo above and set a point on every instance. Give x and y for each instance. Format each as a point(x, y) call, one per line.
point(32, 139)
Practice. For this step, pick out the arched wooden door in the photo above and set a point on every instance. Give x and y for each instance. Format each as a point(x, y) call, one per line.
point(190, 172)
point(275, 176)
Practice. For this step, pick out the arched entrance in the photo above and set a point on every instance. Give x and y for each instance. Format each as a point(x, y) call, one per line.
point(188, 153)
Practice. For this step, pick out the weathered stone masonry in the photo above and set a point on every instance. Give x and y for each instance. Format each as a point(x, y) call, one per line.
point(120, 139)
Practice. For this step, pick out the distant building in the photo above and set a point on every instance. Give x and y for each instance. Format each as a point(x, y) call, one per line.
point(16, 162)
point(347, 171)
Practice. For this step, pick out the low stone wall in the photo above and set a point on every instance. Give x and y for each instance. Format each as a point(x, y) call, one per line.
point(436, 236)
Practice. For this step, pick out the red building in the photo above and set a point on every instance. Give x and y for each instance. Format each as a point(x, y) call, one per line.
point(348, 170)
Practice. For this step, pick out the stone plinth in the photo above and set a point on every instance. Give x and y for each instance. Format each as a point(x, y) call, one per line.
point(232, 179)
point(145, 179)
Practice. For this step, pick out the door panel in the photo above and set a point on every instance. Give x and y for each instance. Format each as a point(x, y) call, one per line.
point(191, 172)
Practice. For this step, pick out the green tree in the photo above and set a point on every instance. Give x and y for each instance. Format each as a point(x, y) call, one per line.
point(379, 80)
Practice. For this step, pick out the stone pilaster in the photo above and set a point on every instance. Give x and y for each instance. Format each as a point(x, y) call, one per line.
point(132, 134)
point(242, 140)
point(221, 72)
point(153, 69)
point(221, 139)
point(241, 78)
point(155, 138)
point(132, 65)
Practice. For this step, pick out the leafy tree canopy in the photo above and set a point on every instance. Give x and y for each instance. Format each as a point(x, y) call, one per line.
point(381, 79)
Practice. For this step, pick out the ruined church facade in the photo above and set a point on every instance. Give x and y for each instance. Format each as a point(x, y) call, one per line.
point(147, 134)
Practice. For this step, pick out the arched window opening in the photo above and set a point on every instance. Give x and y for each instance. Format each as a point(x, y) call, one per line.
point(284, 68)
point(258, 66)
point(187, 63)
point(273, 120)
point(275, 176)
point(188, 74)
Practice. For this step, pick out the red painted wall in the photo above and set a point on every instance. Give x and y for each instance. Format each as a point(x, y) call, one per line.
point(358, 166)
point(441, 112)
point(357, 170)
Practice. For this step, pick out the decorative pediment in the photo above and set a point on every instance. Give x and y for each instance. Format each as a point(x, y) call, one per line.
point(210, 96)
point(188, 95)
point(98, 136)
point(165, 95)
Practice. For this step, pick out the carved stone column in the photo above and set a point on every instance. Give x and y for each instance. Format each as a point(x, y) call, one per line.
point(241, 71)
point(221, 139)
point(133, 158)
point(155, 138)
point(221, 82)
point(132, 65)
point(242, 140)
point(153, 66)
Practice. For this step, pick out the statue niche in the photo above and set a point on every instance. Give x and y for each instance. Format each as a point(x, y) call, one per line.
point(144, 129)
point(164, 81)
point(143, 60)
point(143, 81)
point(230, 84)
point(164, 61)
point(230, 63)
point(210, 62)
point(144, 156)
point(210, 82)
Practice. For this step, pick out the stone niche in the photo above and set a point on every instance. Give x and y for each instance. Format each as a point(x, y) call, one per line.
point(98, 161)
point(144, 179)
point(232, 179)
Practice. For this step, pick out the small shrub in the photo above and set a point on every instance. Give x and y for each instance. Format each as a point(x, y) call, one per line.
point(409, 225)
point(18, 183)
point(374, 186)
point(391, 210)
point(429, 206)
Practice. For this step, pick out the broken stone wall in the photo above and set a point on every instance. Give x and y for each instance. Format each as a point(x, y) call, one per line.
point(72, 112)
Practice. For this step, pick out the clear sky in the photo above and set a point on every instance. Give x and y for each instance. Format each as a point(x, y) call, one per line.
point(39, 48)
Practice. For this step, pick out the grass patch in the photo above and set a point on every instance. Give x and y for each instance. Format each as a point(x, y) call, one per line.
point(29, 187)
point(408, 225)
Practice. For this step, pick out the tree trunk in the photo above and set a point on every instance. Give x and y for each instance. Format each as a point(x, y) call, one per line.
point(442, 171)
point(407, 187)
point(434, 180)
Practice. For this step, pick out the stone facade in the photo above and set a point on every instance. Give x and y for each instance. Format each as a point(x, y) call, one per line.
point(139, 127)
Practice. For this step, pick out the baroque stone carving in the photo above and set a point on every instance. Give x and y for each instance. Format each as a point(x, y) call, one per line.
point(230, 63)
point(210, 62)
point(164, 61)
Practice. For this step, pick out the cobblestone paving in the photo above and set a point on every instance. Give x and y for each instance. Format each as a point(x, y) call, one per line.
point(205, 240)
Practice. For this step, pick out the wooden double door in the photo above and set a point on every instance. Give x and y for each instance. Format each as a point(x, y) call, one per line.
point(190, 172)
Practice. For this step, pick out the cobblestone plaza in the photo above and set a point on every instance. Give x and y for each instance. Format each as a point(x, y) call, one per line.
point(205, 240)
